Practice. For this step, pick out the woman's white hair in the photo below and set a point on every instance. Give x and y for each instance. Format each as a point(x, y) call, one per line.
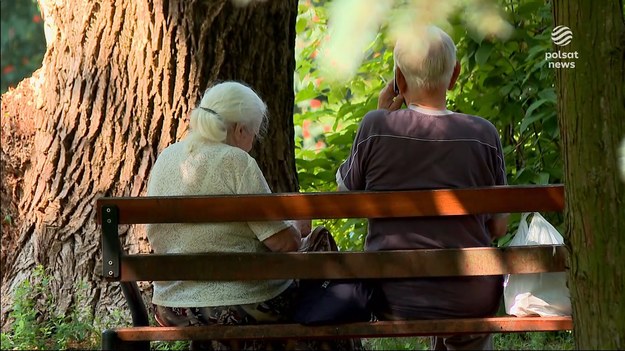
point(426, 59)
point(223, 105)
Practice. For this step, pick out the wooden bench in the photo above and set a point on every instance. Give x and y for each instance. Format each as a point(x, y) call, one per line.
point(128, 269)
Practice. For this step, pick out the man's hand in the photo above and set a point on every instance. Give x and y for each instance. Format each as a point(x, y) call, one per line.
point(387, 98)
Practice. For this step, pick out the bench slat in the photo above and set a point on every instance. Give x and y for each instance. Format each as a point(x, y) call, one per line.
point(364, 329)
point(317, 265)
point(371, 204)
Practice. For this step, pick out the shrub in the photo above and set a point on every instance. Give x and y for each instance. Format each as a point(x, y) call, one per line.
point(36, 324)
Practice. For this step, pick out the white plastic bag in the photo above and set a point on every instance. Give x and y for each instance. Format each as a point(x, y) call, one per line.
point(543, 294)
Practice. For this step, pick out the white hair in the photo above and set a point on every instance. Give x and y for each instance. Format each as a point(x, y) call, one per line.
point(427, 59)
point(223, 105)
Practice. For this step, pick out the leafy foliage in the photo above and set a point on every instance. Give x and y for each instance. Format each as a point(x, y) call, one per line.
point(509, 83)
point(22, 44)
point(37, 326)
point(561, 340)
point(411, 343)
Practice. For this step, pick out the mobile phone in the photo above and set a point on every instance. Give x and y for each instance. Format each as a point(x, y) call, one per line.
point(395, 86)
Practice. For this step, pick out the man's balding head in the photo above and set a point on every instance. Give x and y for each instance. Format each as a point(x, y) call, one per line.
point(426, 59)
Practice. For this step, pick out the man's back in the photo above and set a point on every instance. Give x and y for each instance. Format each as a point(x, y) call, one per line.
point(423, 149)
point(408, 149)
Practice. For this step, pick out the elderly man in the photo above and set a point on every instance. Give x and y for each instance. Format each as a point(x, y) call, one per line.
point(427, 146)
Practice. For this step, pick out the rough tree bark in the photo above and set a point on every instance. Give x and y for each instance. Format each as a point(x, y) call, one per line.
point(116, 85)
point(591, 113)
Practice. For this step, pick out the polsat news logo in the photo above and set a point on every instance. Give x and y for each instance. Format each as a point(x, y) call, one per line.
point(561, 36)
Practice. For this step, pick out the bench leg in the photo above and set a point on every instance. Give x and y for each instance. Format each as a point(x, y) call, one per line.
point(110, 341)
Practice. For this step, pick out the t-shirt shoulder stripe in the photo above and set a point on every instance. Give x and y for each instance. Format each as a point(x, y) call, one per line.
point(493, 147)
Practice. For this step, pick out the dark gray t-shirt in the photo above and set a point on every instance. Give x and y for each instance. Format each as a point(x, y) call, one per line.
point(409, 149)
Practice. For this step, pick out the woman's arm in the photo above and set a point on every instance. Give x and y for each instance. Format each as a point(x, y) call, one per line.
point(304, 226)
point(286, 240)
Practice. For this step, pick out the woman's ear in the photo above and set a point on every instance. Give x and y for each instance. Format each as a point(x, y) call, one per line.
point(235, 129)
point(234, 134)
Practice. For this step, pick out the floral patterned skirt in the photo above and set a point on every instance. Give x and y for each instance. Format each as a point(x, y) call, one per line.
point(276, 310)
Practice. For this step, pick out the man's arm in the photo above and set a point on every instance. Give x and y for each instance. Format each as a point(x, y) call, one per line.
point(339, 181)
point(350, 175)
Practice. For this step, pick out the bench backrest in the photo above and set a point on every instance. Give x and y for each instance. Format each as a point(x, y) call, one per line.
point(118, 266)
point(391, 264)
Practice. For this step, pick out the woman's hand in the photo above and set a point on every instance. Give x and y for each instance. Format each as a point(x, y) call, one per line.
point(387, 98)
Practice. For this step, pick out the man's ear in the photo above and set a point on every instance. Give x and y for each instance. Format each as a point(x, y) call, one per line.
point(454, 76)
point(401, 81)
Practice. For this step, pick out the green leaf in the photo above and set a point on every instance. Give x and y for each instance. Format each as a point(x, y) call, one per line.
point(534, 106)
point(483, 53)
point(536, 51)
point(301, 25)
point(476, 36)
point(548, 94)
point(343, 139)
point(306, 94)
point(542, 178)
point(527, 121)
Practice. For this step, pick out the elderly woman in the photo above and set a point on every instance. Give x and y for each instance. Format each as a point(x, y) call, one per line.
point(214, 159)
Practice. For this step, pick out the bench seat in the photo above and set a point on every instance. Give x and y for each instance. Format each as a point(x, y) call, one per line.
point(508, 324)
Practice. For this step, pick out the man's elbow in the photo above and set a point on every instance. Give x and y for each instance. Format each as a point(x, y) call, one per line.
point(498, 225)
point(340, 183)
point(497, 234)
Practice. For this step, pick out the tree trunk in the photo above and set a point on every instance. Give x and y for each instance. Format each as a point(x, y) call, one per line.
point(116, 86)
point(591, 112)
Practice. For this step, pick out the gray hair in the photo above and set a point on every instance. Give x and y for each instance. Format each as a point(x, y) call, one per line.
point(426, 60)
point(223, 105)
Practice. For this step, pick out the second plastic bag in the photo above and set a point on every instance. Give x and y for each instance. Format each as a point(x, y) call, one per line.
point(543, 294)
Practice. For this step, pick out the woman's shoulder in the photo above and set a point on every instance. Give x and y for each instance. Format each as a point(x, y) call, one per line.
point(207, 156)
point(229, 157)
point(235, 154)
point(169, 156)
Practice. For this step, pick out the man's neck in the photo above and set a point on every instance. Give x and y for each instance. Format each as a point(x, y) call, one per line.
point(434, 99)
